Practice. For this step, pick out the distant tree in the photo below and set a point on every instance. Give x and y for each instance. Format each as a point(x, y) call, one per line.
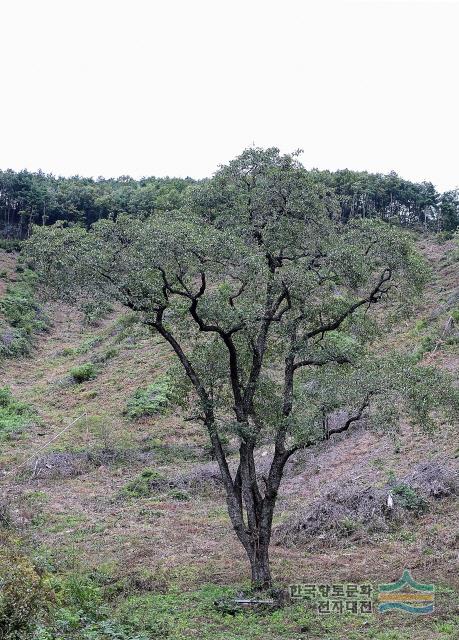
point(448, 219)
point(266, 300)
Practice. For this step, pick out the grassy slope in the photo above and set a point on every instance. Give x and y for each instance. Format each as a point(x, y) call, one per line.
point(169, 543)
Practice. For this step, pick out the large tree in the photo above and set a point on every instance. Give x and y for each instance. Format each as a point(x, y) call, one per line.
point(266, 299)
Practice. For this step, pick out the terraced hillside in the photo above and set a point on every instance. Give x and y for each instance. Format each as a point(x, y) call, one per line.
point(98, 490)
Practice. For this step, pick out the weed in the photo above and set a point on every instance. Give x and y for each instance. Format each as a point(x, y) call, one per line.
point(15, 416)
point(23, 317)
point(142, 486)
point(152, 400)
point(83, 372)
point(24, 595)
point(176, 494)
point(410, 499)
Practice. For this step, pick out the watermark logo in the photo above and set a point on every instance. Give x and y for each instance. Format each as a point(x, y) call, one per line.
point(335, 598)
point(406, 595)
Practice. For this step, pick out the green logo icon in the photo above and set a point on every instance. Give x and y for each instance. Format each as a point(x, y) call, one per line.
point(406, 595)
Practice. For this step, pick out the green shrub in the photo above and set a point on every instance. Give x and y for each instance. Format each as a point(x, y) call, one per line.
point(410, 499)
point(83, 372)
point(152, 400)
point(79, 592)
point(455, 315)
point(88, 344)
point(95, 311)
point(420, 325)
point(23, 317)
point(143, 485)
point(428, 344)
point(177, 494)
point(10, 245)
point(14, 415)
point(24, 595)
point(14, 342)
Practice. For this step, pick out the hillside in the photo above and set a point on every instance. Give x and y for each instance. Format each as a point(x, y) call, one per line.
point(122, 500)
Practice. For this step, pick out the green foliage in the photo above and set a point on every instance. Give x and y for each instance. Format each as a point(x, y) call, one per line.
point(153, 400)
point(449, 211)
point(146, 615)
point(24, 595)
point(23, 317)
point(420, 325)
point(15, 416)
point(410, 499)
point(144, 484)
point(94, 312)
point(89, 344)
point(10, 245)
point(181, 496)
point(27, 198)
point(83, 372)
point(261, 224)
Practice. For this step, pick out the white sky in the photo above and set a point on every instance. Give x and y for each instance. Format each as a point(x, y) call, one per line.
point(176, 87)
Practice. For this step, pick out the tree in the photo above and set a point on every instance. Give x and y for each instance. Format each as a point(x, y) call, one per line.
point(449, 211)
point(265, 298)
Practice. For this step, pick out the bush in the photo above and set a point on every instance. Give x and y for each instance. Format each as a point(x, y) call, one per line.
point(83, 372)
point(6, 521)
point(10, 245)
point(410, 499)
point(23, 316)
point(153, 400)
point(14, 342)
point(143, 485)
point(93, 312)
point(14, 415)
point(24, 596)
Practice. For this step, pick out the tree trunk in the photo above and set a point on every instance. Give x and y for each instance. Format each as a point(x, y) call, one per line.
point(259, 562)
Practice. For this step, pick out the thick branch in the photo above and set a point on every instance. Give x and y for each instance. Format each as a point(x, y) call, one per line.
point(376, 294)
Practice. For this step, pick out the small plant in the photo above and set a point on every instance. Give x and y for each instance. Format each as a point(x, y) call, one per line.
point(14, 415)
point(420, 325)
point(89, 344)
point(112, 352)
point(152, 400)
point(6, 520)
point(181, 496)
point(10, 245)
point(23, 317)
point(142, 486)
point(95, 311)
point(83, 372)
point(24, 596)
point(347, 526)
point(145, 615)
point(410, 499)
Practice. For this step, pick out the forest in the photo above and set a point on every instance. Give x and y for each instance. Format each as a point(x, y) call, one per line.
point(28, 198)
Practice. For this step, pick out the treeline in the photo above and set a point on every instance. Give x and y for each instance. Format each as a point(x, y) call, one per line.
point(37, 198)
point(28, 198)
point(390, 197)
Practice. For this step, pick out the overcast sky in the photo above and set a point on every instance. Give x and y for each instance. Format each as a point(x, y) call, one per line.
point(177, 87)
